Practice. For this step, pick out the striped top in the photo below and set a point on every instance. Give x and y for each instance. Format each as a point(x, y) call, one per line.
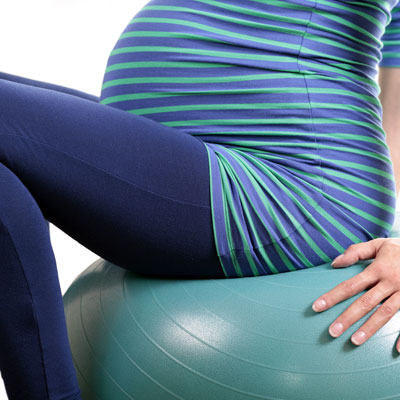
point(391, 39)
point(284, 96)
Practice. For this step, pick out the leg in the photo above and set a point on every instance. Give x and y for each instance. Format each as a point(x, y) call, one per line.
point(46, 85)
point(156, 203)
point(130, 189)
point(35, 358)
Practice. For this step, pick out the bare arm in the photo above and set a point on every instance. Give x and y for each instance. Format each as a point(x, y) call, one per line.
point(389, 82)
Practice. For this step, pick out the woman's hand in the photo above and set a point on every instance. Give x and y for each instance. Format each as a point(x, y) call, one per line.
point(381, 277)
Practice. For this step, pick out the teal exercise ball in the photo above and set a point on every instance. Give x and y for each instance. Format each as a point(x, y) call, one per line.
point(145, 338)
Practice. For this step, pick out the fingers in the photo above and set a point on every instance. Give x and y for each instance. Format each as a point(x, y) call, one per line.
point(362, 306)
point(345, 289)
point(358, 251)
point(381, 278)
point(380, 317)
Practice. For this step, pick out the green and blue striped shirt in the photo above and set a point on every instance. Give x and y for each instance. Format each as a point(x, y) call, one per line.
point(283, 94)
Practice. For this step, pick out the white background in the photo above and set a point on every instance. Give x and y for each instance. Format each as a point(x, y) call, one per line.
point(66, 42)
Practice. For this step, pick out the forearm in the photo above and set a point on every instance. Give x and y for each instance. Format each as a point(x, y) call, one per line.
point(389, 82)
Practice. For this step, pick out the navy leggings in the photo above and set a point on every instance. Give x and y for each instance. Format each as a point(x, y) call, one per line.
point(128, 188)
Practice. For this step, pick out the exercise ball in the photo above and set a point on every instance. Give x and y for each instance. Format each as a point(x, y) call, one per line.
point(139, 337)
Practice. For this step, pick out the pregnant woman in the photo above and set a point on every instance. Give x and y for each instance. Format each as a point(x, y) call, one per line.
point(232, 138)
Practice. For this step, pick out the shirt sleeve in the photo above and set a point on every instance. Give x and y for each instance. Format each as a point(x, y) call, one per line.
point(391, 40)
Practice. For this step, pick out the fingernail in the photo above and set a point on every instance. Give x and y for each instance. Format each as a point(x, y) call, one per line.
point(336, 329)
point(337, 259)
point(358, 337)
point(319, 305)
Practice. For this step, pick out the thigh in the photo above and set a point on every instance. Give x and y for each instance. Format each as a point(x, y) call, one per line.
point(47, 85)
point(130, 189)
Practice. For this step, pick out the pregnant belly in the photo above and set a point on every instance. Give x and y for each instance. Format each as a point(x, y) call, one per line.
point(200, 74)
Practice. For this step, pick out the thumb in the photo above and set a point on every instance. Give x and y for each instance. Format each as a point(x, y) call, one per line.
point(358, 251)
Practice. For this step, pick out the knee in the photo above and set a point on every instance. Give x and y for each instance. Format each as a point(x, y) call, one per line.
point(18, 208)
